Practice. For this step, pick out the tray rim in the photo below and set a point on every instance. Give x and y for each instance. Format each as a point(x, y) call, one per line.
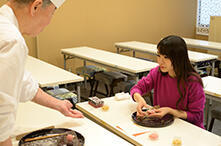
point(157, 126)
point(21, 141)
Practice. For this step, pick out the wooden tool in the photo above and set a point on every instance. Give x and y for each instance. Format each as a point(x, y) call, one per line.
point(18, 137)
point(43, 137)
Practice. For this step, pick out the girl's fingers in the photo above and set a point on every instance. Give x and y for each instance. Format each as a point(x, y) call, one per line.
point(158, 115)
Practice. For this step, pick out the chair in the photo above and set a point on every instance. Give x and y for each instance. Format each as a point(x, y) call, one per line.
point(215, 114)
point(88, 72)
point(110, 79)
point(126, 86)
point(62, 94)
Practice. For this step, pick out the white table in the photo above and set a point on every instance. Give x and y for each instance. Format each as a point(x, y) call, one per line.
point(201, 44)
point(31, 116)
point(50, 75)
point(119, 114)
point(115, 61)
point(212, 89)
point(195, 57)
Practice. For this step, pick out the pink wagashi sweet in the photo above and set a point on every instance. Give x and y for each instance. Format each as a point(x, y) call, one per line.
point(153, 136)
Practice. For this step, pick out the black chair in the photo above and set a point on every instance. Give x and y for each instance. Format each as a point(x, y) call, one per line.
point(88, 72)
point(125, 86)
point(215, 114)
point(110, 79)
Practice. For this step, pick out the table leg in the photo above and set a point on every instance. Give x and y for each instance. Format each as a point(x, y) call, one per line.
point(213, 67)
point(78, 92)
point(118, 50)
point(64, 62)
point(207, 109)
point(134, 54)
point(137, 78)
point(85, 79)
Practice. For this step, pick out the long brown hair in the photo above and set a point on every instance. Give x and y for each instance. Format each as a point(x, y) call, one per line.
point(175, 48)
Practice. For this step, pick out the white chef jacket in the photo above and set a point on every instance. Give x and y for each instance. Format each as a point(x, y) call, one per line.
point(16, 85)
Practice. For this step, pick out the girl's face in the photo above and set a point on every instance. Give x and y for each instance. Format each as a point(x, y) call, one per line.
point(165, 64)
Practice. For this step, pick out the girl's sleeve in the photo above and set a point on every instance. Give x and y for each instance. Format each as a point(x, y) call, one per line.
point(196, 101)
point(144, 85)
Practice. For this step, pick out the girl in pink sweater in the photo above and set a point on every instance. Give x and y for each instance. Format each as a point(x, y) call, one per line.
point(178, 89)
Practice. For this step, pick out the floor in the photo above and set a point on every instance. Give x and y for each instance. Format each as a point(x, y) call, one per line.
point(217, 123)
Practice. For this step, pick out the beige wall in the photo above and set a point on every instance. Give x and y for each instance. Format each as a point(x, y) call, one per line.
point(31, 43)
point(100, 23)
point(215, 32)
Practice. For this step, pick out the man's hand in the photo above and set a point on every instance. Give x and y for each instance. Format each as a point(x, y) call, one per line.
point(65, 107)
point(7, 142)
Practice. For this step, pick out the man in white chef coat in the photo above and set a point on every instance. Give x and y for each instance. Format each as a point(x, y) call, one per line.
point(18, 17)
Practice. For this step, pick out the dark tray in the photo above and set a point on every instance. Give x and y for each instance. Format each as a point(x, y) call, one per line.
point(51, 131)
point(153, 121)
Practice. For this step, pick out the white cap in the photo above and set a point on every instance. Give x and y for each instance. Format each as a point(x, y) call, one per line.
point(57, 3)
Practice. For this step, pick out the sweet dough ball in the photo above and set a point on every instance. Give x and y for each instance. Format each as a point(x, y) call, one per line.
point(69, 137)
point(153, 136)
point(176, 142)
point(105, 108)
point(151, 111)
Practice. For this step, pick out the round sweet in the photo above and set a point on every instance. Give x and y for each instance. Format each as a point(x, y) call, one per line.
point(69, 137)
point(105, 108)
point(153, 136)
point(177, 142)
point(151, 111)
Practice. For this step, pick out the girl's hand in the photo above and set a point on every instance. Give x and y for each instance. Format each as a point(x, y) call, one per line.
point(141, 104)
point(160, 112)
point(140, 107)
